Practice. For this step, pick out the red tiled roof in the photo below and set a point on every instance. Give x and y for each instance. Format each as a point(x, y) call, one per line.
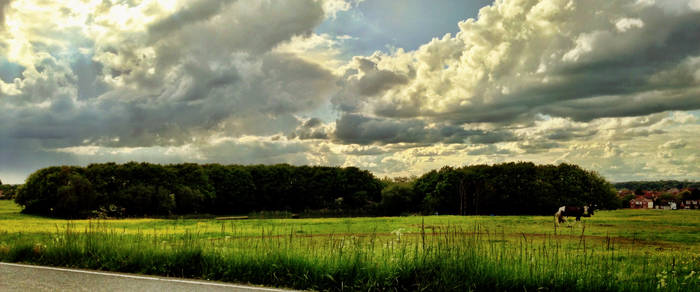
point(641, 198)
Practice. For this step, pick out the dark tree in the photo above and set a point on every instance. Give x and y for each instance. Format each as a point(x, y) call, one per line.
point(512, 188)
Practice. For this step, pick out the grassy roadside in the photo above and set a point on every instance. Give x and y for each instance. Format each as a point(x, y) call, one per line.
point(613, 251)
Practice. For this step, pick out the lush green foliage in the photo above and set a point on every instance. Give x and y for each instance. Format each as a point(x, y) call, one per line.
point(660, 185)
point(398, 198)
point(512, 188)
point(8, 191)
point(624, 250)
point(138, 189)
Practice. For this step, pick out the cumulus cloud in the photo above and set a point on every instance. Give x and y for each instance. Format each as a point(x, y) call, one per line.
point(366, 150)
point(557, 129)
point(363, 130)
point(488, 150)
point(537, 146)
point(312, 128)
point(364, 79)
point(244, 81)
point(177, 78)
point(3, 4)
point(673, 144)
point(625, 24)
point(541, 75)
point(562, 58)
point(146, 74)
point(694, 4)
point(358, 129)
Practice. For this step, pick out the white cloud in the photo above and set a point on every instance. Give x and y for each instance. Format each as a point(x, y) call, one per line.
point(626, 24)
point(674, 144)
point(242, 81)
point(521, 58)
point(694, 4)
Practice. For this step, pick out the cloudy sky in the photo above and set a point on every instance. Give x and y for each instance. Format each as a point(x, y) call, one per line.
point(397, 89)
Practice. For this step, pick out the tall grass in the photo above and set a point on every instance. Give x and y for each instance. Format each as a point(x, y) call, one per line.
point(442, 258)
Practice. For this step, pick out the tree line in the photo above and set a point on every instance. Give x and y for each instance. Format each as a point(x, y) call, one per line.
point(138, 189)
point(659, 185)
point(7, 192)
point(501, 189)
point(145, 189)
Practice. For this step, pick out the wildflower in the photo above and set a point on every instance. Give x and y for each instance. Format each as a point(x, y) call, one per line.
point(662, 280)
point(38, 248)
point(398, 233)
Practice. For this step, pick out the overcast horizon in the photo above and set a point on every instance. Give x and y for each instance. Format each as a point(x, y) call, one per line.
point(612, 86)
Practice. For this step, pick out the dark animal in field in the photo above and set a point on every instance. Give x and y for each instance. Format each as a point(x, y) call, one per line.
point(572, 211)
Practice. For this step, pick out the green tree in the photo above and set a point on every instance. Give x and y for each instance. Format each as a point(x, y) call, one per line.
point(624, 203)
point(397, 198)
point(57, 191)
point(75, 197)
point(234, 188)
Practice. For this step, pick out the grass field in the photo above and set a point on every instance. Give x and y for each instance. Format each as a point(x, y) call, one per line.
point(624, 250)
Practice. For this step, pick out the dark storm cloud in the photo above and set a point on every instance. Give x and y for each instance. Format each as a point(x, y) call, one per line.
point(375, 80)
point(3, 5)
point(312, 123)
point(537, 146)
point(358, 129)
point(492, 137)
point(363, 81)
point(211, 100)
point(310, 129)
point(640, 104)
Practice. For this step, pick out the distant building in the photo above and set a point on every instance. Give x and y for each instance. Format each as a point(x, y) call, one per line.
point(641, 202)
point(651, 194)
point(670, 206)
point(690, 204)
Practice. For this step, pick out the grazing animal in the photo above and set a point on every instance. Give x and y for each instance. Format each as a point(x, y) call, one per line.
point(572, 211)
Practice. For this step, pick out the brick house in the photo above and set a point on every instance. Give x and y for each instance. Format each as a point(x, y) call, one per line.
point(641, 202)
point(651, 194)
point(690, 204)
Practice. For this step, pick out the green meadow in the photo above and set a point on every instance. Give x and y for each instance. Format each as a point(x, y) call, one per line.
point(622, 250)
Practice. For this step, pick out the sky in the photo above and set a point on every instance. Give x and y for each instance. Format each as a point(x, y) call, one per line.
point(396, 88)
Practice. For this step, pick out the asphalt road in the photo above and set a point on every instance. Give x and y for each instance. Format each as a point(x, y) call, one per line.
point(17, 277)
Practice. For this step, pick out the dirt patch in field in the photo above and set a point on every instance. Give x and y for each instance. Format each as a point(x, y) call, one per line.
point(612, 241)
